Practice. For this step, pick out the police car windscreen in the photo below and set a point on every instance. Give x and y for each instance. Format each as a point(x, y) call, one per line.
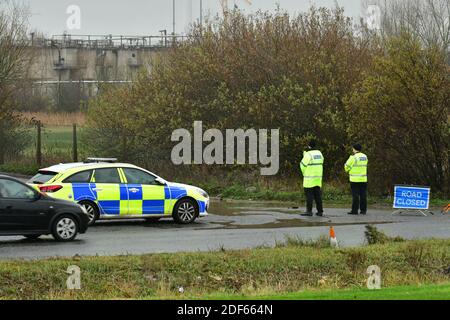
point(42, 177)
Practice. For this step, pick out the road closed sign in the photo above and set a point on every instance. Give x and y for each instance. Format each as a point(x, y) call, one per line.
point(410, 197)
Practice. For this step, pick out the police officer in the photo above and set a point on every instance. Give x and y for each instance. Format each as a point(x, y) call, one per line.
point(312, 170)
point(356, 167)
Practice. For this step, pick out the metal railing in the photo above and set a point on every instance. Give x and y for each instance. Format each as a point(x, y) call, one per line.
point(108, 41)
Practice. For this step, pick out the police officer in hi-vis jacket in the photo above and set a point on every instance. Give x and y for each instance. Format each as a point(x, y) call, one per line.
point(356, 167)
point(311, 167)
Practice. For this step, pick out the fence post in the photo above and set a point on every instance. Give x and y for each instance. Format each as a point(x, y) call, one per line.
point(2, 148)
point(39, 144)
point(2, 156)
point(75, 143)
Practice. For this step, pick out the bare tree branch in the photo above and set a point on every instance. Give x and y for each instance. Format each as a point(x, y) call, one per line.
point(428, 20)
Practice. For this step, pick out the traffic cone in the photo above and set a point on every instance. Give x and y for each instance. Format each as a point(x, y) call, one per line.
point(333, 241)
point(446, 209)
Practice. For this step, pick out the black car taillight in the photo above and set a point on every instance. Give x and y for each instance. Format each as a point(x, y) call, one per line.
point(50, 189)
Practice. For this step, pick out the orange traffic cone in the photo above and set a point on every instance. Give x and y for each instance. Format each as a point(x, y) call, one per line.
point(446, 209)
point(333, 241)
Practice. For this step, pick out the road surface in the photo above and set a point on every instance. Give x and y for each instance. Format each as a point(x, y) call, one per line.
point(231, 225)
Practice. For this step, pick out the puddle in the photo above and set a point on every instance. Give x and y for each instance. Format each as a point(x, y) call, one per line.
point(235, 208)
point(232, 214)
point(288, 223)
point(282, 223)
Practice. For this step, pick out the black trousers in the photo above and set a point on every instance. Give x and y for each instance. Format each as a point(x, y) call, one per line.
point(359, 197)
point(314, 194)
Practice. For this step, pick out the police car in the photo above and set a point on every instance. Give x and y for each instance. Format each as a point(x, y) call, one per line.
point(110, 190)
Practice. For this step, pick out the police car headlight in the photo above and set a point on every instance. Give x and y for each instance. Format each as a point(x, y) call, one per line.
point(203, 193)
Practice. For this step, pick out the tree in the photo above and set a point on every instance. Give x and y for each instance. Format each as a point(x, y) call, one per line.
point(401, 112)
point(428, 20)
point(261, 71)
point(14, 58)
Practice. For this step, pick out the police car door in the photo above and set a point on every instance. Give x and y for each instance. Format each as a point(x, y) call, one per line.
point(111, 198)
point(146, 195)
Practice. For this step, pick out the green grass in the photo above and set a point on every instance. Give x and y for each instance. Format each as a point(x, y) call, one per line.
point(422, 292)
point(52, 138)
point(56, 147)
point(282, 272)
point(58, 137)
point(20, 168)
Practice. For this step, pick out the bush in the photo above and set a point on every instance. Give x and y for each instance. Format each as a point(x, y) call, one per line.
point(312, 76)
point(374, 236)
point(22, 169)
point(14, 136)
point(262, 71)
point(401, 112)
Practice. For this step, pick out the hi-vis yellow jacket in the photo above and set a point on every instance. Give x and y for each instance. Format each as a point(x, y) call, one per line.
point(312, 168)
point(356, 167)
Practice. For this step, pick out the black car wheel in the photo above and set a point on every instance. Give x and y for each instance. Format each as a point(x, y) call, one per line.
point(92, 211)
point(65, 228)
point(185, 211)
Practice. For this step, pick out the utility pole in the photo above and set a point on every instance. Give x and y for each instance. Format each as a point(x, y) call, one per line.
point(201, 13)
point(173, 14)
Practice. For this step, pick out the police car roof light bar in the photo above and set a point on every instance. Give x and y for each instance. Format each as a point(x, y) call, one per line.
point(100, 160)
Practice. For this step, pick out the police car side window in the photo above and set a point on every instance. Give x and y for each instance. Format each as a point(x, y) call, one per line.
point(135, 176)
point(80, 177)
point(107, 175)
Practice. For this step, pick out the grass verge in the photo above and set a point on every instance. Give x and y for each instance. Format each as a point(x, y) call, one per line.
point(269, 272)
point(421, 292)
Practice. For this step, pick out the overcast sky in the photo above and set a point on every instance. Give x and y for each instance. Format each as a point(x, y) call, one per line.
point(147, 17)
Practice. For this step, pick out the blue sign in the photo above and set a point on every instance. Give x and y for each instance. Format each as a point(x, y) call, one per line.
point(409, 197)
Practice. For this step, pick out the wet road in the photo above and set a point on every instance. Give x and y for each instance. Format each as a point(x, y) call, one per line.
point(231, 225)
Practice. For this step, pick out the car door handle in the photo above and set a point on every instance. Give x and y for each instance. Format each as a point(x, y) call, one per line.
point(134, 190)
point(97, 189)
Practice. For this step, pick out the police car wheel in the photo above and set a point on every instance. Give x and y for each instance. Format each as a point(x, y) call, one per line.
point(65, 228)
point(91, 210)
point(185, 212)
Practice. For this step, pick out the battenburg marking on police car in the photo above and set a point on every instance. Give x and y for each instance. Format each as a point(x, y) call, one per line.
point(407, 197)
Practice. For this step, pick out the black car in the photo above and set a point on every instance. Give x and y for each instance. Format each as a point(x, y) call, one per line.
point(25, 211)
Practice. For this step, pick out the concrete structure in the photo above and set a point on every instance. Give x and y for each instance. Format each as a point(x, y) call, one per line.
point(72, 67)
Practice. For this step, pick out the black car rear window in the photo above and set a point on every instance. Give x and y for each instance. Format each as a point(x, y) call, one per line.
point(43, 177)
